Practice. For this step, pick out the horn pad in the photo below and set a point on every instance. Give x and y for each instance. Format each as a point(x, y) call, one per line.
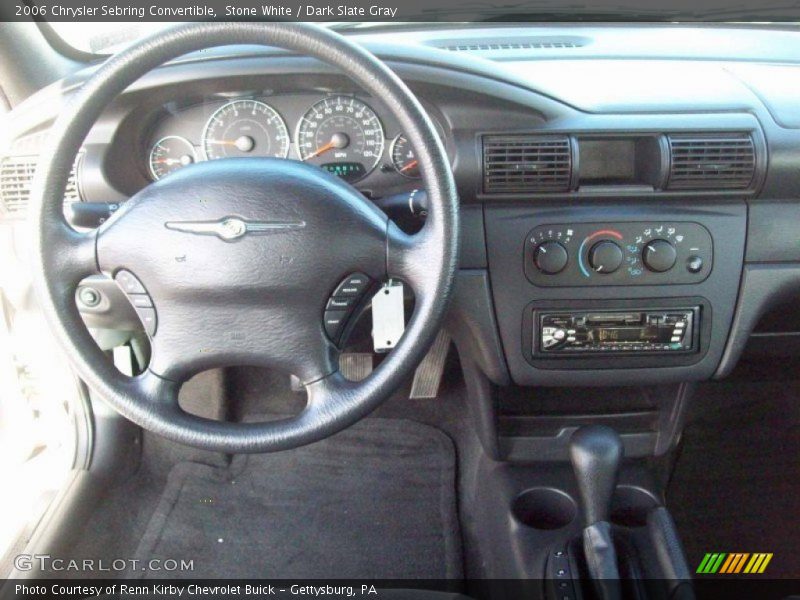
point(240, 251)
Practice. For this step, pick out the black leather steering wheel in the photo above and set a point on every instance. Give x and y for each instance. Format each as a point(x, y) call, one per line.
point(239, 297)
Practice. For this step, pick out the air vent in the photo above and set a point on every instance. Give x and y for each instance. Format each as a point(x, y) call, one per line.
point(16, 178)
point(541, 45)
point(526, 163)
point(717, 161)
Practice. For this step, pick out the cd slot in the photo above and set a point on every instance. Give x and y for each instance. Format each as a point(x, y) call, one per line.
point(613, 318)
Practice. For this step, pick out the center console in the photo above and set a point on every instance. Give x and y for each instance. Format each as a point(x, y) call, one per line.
point(614, 293)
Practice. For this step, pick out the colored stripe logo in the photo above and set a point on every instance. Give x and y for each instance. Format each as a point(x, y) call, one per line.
point(734, 563)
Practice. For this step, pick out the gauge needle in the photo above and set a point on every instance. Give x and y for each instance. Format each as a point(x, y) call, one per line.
point(410, 165)
point(221, 142)
point(339, 141)
point(329, 146)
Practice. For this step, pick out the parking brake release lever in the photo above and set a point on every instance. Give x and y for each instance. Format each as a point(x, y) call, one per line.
point(596, 453)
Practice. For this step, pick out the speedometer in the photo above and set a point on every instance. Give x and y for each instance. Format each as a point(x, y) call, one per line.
point(245, 128)
point(342, 135)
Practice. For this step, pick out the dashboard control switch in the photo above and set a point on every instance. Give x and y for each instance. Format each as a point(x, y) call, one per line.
point(605, 257)
point(128, 282)
point(148, 318)
point(550, 257)
point(659, 255)
point(334, 323)
point(341, 302)
point(89, 296)
point(354, 285)
point(694, 264)
point(141, 301)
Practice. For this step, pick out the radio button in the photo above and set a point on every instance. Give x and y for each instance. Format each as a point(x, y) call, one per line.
point(549, 342)
point(550, 257)
point(605, 257)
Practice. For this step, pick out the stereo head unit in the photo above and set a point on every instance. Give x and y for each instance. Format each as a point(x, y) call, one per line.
point(649, 331)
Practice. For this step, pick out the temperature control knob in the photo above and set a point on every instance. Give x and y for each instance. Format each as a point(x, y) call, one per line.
point(659, 255)
point(605, 257)
point(550, 257)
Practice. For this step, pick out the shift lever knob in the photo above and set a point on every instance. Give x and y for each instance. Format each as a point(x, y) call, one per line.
point(596, 453)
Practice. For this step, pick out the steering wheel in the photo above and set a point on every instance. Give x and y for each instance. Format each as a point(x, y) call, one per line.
point(239, 257)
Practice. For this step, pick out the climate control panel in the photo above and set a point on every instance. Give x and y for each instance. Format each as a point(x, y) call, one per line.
point(628, 253)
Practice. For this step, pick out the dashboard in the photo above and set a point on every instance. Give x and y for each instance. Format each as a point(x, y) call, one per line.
point(629, 222)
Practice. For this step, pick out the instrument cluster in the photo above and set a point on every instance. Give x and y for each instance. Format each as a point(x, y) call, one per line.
point(340, 133)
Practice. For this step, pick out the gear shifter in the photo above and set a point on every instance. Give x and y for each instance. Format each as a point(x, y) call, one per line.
point(596, 452)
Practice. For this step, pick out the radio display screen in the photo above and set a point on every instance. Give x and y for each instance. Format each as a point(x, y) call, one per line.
point(630, 334)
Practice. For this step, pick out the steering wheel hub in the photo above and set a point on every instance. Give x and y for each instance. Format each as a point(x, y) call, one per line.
point(251, 288)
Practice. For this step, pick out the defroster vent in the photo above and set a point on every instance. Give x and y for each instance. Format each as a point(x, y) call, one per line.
point(526, 163)
point(725, 161)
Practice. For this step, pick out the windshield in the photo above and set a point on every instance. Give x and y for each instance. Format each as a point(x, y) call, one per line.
point(109, 37)
point(104, 38)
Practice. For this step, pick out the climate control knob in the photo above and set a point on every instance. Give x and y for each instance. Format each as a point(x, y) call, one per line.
point(550, 257)
point(659, 255)
point(605, 257)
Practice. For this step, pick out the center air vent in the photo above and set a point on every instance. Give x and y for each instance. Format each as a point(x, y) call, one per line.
point(512, 46)
point(544, 42)
point(16, 178)
point(714, 161)
point(526, 163)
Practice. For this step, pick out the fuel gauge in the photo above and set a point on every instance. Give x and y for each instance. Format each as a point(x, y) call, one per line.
point(170, 154)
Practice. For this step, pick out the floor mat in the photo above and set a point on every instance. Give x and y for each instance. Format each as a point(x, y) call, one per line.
point(374, 501)
point(736, 485)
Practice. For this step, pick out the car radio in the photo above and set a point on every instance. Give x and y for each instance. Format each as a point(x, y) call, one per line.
point(626, 331)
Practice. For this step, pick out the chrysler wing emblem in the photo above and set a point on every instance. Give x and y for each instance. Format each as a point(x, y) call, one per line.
point(232, 228)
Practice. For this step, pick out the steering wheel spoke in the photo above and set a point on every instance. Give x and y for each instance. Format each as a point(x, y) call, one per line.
point(409, 258)
point(72, 255)
point(161, 393)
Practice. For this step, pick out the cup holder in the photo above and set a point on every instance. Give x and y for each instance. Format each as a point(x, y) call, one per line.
point(544, 508)
point(630, 506)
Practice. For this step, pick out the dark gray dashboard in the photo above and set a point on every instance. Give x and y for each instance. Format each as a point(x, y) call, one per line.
point(584, 86)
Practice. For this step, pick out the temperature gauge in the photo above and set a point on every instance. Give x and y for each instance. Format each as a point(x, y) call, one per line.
point(170, 154)
point(403, 157)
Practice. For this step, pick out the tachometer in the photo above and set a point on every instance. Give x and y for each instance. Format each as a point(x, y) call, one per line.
point(170, 154)
point(245, 128)
point(342, 135)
